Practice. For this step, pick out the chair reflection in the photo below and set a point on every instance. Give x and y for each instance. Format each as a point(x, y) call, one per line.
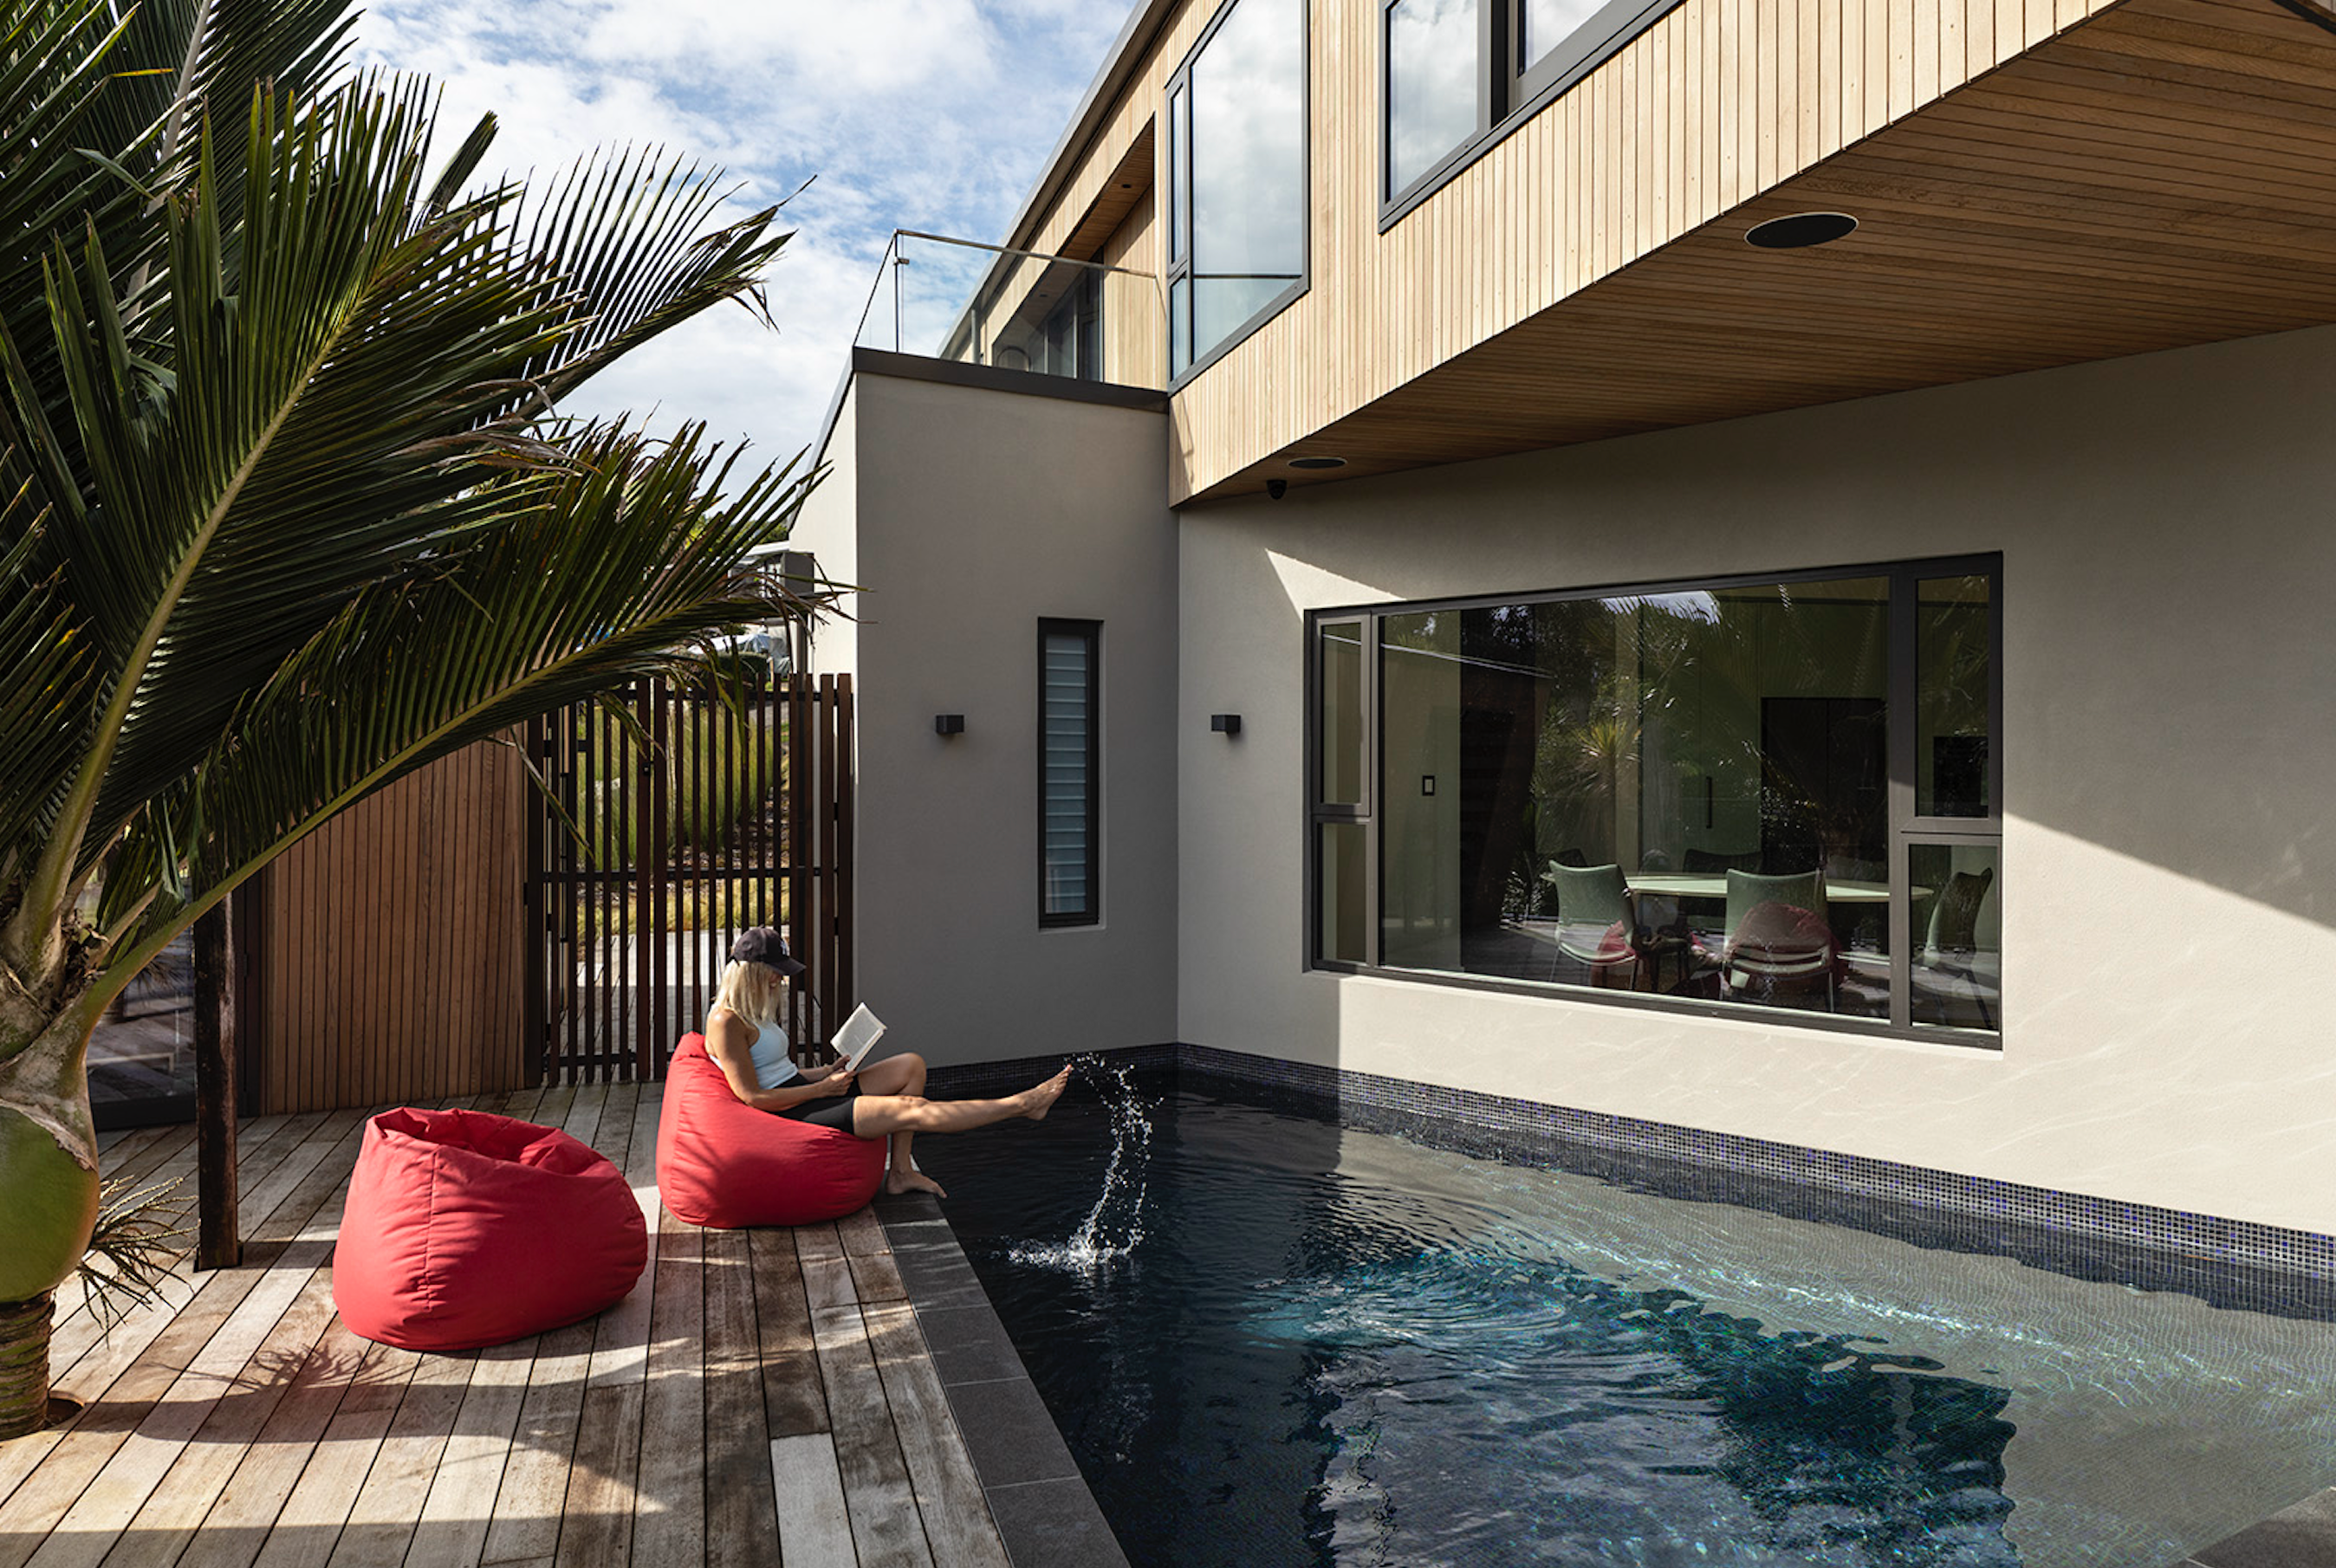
point(1595, 919)
point(1777, 939)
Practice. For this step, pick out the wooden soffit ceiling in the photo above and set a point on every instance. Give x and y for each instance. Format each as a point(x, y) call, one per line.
point(2161, 176)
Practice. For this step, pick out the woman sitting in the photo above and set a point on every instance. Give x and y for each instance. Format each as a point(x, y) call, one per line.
point(885, 1099)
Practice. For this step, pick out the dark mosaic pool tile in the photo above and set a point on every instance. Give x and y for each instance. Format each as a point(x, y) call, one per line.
point(2231, 1263)
point(1054, 1524)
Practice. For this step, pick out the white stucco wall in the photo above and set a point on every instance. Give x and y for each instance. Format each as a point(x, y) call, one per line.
point(2170, 861)
point(966, 515)
point(828, 526)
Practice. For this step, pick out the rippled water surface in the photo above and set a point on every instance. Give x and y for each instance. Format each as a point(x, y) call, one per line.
point(1270, 1340)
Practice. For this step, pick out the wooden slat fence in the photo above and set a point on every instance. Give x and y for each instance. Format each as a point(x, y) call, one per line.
point(676, 816)
point(385, 949)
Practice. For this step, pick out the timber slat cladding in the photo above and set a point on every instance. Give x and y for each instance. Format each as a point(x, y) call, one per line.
point(2041, 182)
point(239, 1425)
point(393, 944)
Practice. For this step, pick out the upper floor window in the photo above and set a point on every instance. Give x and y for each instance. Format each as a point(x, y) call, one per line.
point(1454, 71)
point(1236, 178)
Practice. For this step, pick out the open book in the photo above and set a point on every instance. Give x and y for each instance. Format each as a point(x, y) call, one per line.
point(857, 1037)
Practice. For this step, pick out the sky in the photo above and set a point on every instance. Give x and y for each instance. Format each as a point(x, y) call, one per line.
point(922, 115)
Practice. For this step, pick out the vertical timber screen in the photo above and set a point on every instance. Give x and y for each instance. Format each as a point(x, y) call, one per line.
point(668, 818)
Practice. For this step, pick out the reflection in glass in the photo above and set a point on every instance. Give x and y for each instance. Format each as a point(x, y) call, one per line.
point(1248, 166)
point(1180, 184)
point(1954, 637)
point(1724, 748)
point(1340, 703)
point(1346, 892)
point(1958, 941)
point(1543, 24)
point(1431, 84)
point(143, 1050)
point(1180, 326)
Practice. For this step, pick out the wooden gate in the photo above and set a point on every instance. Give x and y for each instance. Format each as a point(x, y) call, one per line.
point(671, 818)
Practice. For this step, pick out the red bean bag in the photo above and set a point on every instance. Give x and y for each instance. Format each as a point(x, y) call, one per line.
point(464, 1229)
point(721, 1163)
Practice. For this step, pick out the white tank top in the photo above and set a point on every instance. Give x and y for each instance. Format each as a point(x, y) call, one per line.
point(772, 1068)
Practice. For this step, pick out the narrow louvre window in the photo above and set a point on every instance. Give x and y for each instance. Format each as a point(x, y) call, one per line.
point(1067, 784)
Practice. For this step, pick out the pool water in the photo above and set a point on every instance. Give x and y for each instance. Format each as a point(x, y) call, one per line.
point(1271, 1339)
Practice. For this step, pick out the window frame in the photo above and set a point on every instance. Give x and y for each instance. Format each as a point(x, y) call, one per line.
point(1506, 96)
point(1905, 831)
point(1091, 631)
point(1176, 178)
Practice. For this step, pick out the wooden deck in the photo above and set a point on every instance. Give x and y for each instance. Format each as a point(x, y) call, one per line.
point(761, 1395)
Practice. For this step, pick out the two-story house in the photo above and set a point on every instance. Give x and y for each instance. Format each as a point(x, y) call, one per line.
point(1753, 572)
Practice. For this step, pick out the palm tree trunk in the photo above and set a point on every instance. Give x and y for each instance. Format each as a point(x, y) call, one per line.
point(25, 1364)
point(48, 1173)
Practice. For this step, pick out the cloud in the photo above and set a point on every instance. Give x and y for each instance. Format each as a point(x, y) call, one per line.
point(925, 114)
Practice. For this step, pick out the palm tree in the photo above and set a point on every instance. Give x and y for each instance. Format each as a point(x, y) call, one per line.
point(287, 507)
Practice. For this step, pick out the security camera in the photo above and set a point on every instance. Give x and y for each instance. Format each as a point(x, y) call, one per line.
point(1276, 488)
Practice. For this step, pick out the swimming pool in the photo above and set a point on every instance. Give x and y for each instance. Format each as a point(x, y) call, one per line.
point(1293, 1342)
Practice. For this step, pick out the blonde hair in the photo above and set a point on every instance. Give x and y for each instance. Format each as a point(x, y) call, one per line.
point(750, 991)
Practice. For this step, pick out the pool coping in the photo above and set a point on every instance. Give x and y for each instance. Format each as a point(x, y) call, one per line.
point(1041, 1505)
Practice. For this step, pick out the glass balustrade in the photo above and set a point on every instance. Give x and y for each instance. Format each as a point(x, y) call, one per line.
point(952, 299)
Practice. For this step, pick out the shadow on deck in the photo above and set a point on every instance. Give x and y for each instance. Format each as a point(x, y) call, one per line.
point(759, 1394)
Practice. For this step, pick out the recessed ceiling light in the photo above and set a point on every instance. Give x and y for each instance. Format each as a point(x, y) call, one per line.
point(1317, 462)
point(1800, 230)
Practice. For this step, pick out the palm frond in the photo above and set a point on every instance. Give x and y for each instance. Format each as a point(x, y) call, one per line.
point(628, 238)
point(314, 433)
point(589, 576)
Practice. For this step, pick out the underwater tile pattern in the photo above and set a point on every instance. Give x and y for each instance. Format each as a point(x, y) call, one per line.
point(2231, 1263)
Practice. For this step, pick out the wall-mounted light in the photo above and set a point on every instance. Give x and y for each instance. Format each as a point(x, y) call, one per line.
point(949, 723)
point(1225, 723)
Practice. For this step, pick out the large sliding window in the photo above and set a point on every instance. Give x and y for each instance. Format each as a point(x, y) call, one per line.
point(1455, 75)
point(1779, 793)
point(1070, 753)
point(1237, 209)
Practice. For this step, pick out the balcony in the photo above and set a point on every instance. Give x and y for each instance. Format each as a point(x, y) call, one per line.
point(1018, 310)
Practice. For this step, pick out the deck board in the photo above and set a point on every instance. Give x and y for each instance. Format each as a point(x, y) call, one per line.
point(747, 1396)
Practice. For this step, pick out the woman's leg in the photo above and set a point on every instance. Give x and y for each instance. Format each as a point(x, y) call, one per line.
point(903, 1075)
point(900, 1116)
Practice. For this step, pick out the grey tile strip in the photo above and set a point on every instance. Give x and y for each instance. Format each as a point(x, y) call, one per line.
point(2231, 1263)
point(1044, 1510)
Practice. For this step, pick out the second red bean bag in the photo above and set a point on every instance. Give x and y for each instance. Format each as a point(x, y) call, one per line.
point(721, 1163)
point(464, 1229)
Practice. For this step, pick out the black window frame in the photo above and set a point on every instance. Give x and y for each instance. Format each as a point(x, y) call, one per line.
point(1092, 632)
point(1178, 157)
point(1507, 96)
point(1906, 831)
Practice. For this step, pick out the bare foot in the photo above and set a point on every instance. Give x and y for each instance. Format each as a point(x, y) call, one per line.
point(1042, 1097)
point(913, 1181)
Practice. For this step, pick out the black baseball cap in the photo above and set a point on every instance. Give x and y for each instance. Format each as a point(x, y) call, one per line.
point(764, 945)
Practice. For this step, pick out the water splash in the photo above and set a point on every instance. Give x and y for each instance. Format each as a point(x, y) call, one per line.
point(1113, 1228)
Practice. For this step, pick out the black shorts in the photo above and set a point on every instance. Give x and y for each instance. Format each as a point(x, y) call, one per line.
point(836, 1114)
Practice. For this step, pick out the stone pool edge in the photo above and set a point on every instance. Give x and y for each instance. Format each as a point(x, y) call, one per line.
point(1042, 1506)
